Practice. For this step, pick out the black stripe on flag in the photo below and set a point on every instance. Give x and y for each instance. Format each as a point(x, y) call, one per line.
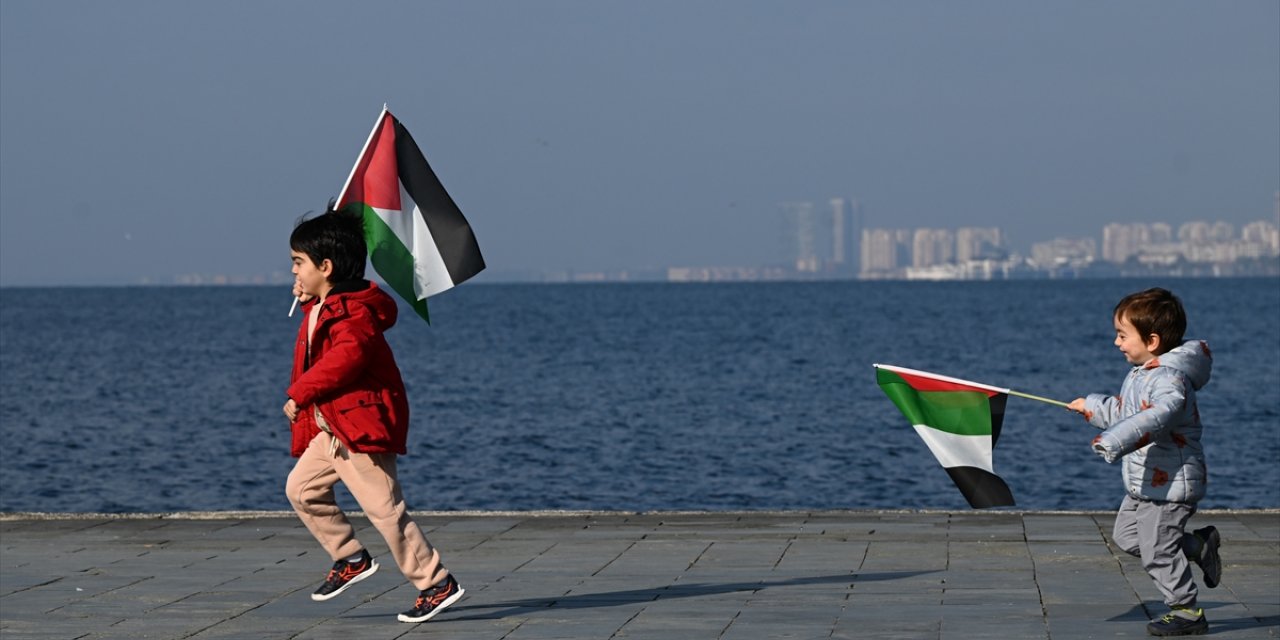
point(997, 416)
point(453, 236)
point(981, 488)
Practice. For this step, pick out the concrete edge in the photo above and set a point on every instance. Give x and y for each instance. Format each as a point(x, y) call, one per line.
point(251, 515)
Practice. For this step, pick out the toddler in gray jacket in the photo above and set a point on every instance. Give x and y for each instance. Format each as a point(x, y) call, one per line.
point(1154, 426)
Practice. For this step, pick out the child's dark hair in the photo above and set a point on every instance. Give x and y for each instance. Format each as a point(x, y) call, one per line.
point(336, 236)
point(1155, 311)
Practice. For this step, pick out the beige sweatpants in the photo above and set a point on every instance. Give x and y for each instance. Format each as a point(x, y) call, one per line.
point(371, 479)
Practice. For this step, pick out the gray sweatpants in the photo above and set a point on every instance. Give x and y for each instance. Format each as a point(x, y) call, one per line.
point(1156, 532)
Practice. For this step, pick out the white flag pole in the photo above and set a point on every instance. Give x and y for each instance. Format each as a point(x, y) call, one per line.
point(363, 149)
point(351, 175)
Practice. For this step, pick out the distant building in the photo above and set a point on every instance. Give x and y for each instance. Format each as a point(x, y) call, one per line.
point(1262, 233)
point(846, 234)
point(885, 252)
point(931, 247)
point(800, 236)
point(1064, 252)
point(979, 243)
point(1122, 241)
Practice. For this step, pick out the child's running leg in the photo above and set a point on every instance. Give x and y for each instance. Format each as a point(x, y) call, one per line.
point(1160, 530)
point(1201, 546)
point(371, 478)
point(1125, 533)
point(310, 491)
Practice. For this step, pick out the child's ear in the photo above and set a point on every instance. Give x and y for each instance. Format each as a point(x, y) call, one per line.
point(325, 267)
point(1153, 343)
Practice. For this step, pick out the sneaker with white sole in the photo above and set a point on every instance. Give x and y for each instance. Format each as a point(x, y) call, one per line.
point(344, 574)
point(432, 601)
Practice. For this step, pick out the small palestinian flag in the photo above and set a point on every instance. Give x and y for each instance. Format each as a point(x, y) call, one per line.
point(960, 421)
point(418, 240)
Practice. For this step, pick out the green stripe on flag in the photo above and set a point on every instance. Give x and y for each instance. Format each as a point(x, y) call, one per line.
point(392, 260)
point(964, 413)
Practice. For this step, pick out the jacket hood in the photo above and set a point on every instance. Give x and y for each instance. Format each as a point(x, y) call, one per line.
point(1192, 358)
point(367, 294)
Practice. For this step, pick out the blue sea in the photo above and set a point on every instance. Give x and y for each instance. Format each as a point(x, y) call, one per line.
point(614, 396)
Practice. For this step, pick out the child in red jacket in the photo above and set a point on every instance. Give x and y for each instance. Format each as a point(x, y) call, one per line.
point(350, 416)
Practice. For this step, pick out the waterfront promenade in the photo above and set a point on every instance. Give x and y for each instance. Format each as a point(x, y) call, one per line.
point(739, 575)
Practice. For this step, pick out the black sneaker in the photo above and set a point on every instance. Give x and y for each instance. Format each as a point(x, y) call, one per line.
point(344, 574)
point(1173, 624)
point(1209, 560)
point(432, 601)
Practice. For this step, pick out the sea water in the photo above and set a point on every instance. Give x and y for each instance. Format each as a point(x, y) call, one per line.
point(615, 396)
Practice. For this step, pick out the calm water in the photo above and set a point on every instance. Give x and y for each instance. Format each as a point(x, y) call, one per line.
point(639, 396)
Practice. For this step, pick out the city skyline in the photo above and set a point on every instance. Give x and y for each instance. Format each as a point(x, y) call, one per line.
point(927, 253)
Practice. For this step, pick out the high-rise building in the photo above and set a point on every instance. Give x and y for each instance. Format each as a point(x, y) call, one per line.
point(846, 233)
point(839, 231)
point(880, 252)
point(931, 247)
point(801, 236)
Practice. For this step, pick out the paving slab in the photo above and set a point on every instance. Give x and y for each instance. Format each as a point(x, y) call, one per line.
point(605, 575)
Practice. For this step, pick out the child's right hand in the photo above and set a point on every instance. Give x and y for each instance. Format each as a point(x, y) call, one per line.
point(298, 292)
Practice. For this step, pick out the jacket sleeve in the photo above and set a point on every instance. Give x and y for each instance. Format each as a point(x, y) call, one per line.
point(1160, 413)
point(1101, 410)
point(344, 359)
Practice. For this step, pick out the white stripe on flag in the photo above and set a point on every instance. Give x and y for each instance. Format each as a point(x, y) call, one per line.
point(952, 450)
point(429, 273)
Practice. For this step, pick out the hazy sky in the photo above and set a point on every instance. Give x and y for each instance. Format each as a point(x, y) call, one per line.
point(151, 139)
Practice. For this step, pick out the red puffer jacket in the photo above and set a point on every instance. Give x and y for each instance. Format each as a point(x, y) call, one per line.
point(351, 374)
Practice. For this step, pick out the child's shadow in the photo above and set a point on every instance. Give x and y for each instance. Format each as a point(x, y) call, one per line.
point(633, 596)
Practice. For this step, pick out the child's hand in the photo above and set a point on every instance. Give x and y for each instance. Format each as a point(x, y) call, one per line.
point(298, 292)
point(1077, 405)
point(291, 410)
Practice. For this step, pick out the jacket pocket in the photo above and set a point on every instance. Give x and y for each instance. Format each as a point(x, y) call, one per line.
point(364, 418)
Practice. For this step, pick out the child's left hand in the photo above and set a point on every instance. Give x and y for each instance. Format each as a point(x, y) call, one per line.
point(291, 410)
point(1077, 405)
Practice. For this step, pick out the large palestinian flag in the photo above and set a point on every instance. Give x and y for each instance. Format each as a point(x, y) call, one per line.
point(959, 421)
point(418, 240)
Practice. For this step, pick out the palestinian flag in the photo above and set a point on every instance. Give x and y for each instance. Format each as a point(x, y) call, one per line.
point(960, 421)
point(418, 240)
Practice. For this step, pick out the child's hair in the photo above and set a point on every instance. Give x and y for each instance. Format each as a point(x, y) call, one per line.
point(1155, 311)
point(336, 236)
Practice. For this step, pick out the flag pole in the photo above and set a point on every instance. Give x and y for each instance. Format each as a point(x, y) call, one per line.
point(1031, 397)
point(351, 175)
point(367, 142)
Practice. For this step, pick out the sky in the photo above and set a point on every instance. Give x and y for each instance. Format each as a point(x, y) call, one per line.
point(144, 141)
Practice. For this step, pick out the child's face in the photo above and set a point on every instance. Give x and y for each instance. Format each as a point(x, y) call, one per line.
point(1137, 349)
point(311, 278)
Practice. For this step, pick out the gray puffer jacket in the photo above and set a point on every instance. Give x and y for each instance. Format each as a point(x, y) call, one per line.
point(1155, 425)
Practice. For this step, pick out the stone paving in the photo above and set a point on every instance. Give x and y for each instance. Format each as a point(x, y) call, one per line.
point(730, 576)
